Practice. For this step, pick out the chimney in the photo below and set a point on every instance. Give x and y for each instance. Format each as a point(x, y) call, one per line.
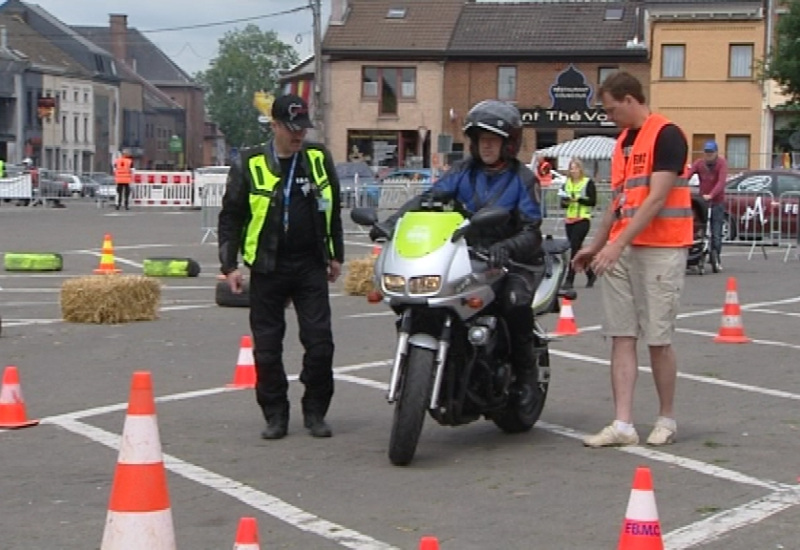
point(339, 9)
point(119, 36)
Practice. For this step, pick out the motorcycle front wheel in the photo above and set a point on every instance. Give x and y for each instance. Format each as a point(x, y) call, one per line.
point(410, 408)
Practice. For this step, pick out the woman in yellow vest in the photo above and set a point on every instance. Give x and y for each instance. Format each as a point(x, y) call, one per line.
point(578, 199)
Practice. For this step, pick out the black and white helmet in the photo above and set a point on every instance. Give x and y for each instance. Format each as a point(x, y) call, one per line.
point(498, 117)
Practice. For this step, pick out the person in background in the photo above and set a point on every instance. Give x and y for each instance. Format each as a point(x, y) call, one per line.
point(640, 250)
point(712, 171)
point(123, 174)
point(2, 168)
point(578, 199)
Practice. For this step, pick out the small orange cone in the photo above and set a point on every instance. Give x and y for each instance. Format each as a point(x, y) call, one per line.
point(566, 325)
point(139, 513)
point(731, 330)
point(429, 543)
point(247, 535)
point(12, 405)
point(245, 374)
point(107, 258)
point(641, 529)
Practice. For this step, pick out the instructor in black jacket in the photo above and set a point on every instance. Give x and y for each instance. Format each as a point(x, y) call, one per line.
point(281, 210)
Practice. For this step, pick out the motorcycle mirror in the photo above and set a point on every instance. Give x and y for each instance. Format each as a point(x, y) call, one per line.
point(487, 217)
point(364, 216)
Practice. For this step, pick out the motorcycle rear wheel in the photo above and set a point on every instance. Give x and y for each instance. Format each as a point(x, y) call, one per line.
point(410, 408)
point(519, 418)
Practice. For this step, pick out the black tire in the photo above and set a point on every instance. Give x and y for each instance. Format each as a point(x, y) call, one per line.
point(410, 409)
point(712, 258)
point(225, 298)
point(729, 230)
point(514, 419)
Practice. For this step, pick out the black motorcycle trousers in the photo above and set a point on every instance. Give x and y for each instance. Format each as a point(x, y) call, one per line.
point(515, 297)
point(304, 281)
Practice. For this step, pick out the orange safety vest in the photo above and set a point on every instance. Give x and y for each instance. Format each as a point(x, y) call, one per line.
point(122, 170)
point(630, 184)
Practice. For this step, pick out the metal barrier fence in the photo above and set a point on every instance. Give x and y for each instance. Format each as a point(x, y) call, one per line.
point(16, 187)
point(757, 218)
point(210, 204)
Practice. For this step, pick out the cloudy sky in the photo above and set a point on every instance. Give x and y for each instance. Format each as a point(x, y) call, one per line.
point(192, 49)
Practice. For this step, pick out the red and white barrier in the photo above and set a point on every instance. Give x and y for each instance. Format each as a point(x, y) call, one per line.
point(162, 188)
point(16, 187)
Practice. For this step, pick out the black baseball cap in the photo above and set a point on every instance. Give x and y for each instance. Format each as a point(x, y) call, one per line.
point(292, 111)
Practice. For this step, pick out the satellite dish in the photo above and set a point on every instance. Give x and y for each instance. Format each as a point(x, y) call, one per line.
point(794, 140)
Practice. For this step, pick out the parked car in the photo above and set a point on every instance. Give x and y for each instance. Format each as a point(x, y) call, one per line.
point(79, 186)
point(762, 204)
point(369, 192)
point(412, 174)
point(106, 188)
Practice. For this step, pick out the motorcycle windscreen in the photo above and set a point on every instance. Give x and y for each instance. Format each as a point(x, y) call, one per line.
point(420, 233)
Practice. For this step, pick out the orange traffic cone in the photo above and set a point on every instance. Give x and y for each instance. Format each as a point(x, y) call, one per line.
point(376, 251)
point(12, 405)
point(247, 535)
point(107, 258)
point(139, 514)
point(429, 543)
point(566, 325)
point(641, 529)
point(245, 374)
point(731, 330)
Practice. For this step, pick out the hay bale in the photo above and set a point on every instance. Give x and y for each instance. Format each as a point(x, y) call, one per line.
point(360, 275)
point(110, 299)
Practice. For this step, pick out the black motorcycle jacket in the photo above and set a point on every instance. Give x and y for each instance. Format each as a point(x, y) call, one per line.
point(235, 216)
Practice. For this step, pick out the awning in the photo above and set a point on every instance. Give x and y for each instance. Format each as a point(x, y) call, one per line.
point(585, 148)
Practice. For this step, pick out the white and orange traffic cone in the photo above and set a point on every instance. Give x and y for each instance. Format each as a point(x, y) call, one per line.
point(107, 258)
point(731, 330)
point(641, 529)
point(244, 376)
point(247, 535)
point(566, 325)
point(139, 513)
point(376, 251)
point(12, 404)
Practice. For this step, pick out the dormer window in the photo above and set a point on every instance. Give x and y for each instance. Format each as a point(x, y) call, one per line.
point(396, 13)
point(613, 14)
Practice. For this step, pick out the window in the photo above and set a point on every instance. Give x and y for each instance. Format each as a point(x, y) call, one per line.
point(85, 96)
point(673, 58)
point(64, 128)
point(369, 82)
point(396, 13)
point(741, 61)
point(75, 128)
point(613, 14)
point(388, 85)
point(737, 152)
point(506, 83)
point(86, 129)
point(788, 183)
point(75, 96)
point(603, 73)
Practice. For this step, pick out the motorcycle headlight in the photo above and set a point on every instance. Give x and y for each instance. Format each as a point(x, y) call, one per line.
point(394, 283)
point(424, 285)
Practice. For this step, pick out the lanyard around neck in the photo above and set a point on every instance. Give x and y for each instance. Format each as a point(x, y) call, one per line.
point(287, 187)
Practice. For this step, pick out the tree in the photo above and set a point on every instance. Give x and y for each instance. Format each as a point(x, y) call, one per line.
point(248, 61)
point(784, 63)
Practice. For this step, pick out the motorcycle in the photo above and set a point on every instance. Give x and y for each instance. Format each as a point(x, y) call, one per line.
point(453, 352)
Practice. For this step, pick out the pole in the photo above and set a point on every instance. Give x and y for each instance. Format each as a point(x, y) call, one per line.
point(319, 116)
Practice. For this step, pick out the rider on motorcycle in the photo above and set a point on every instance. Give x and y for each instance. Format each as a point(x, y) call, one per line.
point(492, 176)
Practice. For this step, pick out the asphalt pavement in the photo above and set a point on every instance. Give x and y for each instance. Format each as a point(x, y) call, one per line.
point(730, 481)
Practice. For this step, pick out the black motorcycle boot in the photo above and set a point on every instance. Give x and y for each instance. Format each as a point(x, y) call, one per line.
point(277, 424)
point(317, 426)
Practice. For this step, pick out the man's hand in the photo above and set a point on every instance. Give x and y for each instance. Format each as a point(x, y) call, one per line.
point(606, 258)
point(707, 197)
point(235, 281)
point(334, 270)
point(498, 255)
point(580, 262)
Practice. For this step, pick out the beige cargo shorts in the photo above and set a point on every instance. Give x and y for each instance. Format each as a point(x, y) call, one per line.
point(641, 294)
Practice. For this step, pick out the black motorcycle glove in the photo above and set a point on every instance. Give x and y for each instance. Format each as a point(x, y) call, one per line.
point(375, 233)
point(498, 255)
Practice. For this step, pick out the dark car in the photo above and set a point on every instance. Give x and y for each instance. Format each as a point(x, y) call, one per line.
point(762, 205)
point(352, 173)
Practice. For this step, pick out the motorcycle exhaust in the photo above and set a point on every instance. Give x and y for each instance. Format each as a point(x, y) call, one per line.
point(441, 357)
point(399, 355)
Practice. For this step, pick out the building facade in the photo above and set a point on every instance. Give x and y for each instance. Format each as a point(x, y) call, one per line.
point(68, 134)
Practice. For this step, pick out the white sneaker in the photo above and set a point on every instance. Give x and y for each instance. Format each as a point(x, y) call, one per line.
point(611, 437)
point(662, 434)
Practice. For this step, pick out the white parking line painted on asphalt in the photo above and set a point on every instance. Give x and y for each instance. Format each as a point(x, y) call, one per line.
point(775, 312)
point(695, 378)
point(357, 243)
point(28, 304)
point(264, 502)
point(704, 312)
point(116, 259)
point(714, 527)
point(754, 341)
point(368, 315)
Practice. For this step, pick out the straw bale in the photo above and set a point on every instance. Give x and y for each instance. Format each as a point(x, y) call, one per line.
point(110, 299)
point(360, 275)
